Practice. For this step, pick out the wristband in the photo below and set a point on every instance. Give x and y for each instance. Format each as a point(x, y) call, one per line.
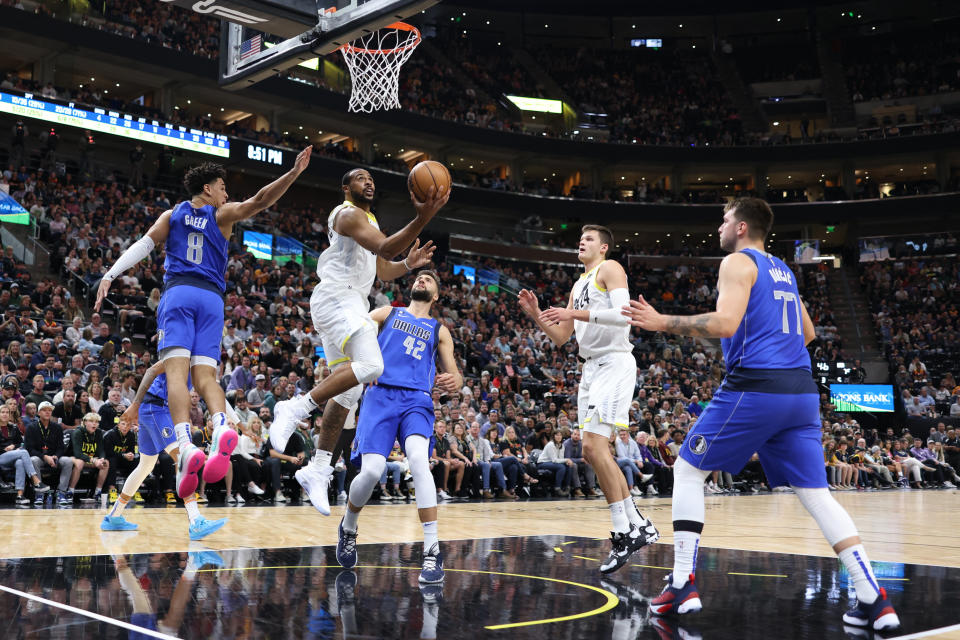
point(409, 268)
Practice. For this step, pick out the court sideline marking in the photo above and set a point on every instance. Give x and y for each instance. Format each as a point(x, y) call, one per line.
point(611, 603)
point(926, 634)
point(89, 614)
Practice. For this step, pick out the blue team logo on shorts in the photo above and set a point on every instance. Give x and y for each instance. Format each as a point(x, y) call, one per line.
point(166, 432)
point(699, 445)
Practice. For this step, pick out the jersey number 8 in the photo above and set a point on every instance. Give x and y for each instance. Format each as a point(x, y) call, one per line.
point(195, 247)
point(414, 347)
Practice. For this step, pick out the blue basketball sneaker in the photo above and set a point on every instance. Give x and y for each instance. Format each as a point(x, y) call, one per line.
point(208, 558)
point(203, 527)
point(432, 571)
point(346, 547)
point(116, 523)
point(346, 586)
point(879, 615)
point(678, 600)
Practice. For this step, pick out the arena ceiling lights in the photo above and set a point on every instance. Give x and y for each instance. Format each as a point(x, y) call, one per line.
point(540, 105)
point(116, 124)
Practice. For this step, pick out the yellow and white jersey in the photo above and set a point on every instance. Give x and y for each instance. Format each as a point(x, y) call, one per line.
point(345, 264)
point(597, 339)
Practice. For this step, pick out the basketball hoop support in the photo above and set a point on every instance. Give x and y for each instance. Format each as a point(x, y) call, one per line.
point(333, 30)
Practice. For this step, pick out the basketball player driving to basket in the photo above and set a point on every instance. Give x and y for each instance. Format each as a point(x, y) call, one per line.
point(358, 253)
point(608, 381)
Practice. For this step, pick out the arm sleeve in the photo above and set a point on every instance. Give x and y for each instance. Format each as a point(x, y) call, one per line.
point(137, 252)
point(612, 317)
point(231, 414)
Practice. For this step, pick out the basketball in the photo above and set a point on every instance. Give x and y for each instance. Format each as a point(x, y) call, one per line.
point(426, 174)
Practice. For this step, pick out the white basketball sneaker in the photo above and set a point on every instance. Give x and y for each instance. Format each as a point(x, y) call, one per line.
point(316, 481)
point(285, 417)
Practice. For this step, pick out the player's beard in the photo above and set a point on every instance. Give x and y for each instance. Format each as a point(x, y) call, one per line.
point(357, 196)
point(421, 295)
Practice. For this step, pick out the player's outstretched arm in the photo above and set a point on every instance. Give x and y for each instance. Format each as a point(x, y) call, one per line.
point(157, 234)
point(450, 380)
point(614, 279)
point(417, 257)
point(736, 278)
point(352, 222)
point(233, 212)
point(132, 412)
point(558, 329)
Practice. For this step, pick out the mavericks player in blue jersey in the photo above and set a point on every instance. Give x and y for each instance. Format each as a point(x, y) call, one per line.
point(768, 403)
point(149, 409)
point(398, 407)
point(190, 315)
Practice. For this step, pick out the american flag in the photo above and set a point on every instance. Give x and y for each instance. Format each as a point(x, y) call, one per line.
point(251, 46)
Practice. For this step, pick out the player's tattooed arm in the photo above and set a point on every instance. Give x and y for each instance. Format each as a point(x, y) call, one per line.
point(131, 413)
point(698, 326)
point(737, 275)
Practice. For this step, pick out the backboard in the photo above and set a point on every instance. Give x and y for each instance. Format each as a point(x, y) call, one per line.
point(311, 28)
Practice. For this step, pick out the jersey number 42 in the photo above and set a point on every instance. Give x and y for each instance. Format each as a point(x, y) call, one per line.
point(414, 347)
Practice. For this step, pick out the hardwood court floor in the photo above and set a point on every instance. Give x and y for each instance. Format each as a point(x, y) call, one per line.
point(897, 526)
point(918, 528)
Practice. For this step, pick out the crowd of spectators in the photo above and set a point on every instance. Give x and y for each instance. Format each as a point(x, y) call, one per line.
point(907, 64)
point(509, 432)
point(915, 308)
point(773, 62)
point(640, 96)
point(659, 97)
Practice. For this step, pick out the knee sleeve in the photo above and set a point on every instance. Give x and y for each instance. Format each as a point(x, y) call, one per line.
point(371, 468)
point(364, 353)
point(688, 492)
point(139, 474)
point(416, 449)
point(832, 518)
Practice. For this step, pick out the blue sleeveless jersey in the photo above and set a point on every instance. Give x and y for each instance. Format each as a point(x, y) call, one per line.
point(196, 249)
point(159, 386)
point(770, 336)
point(409, 348)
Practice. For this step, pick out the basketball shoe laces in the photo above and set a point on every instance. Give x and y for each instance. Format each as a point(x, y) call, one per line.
point(430, 561)
point(349, 542)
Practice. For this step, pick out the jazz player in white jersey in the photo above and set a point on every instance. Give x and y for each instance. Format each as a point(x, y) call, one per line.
point(358, 253)
point(608, 381)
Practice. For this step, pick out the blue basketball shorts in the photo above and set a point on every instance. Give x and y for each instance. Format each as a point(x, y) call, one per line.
point(191, 318)
point(783, 429)
point(390, 414)
point(144, 620)
point(156, 429)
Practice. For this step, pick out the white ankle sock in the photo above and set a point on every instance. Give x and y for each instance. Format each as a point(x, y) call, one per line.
point(633, 514)
point(219, 419)
point(858, 566)
point(307, 404)
point(350, 518)
point(193, 511)
point(322, 458)
point(430, 535)
point(621, 523)
point(685, 546)
point(182, 431)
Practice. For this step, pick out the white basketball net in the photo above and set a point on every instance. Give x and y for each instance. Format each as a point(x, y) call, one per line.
point(374, 61)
